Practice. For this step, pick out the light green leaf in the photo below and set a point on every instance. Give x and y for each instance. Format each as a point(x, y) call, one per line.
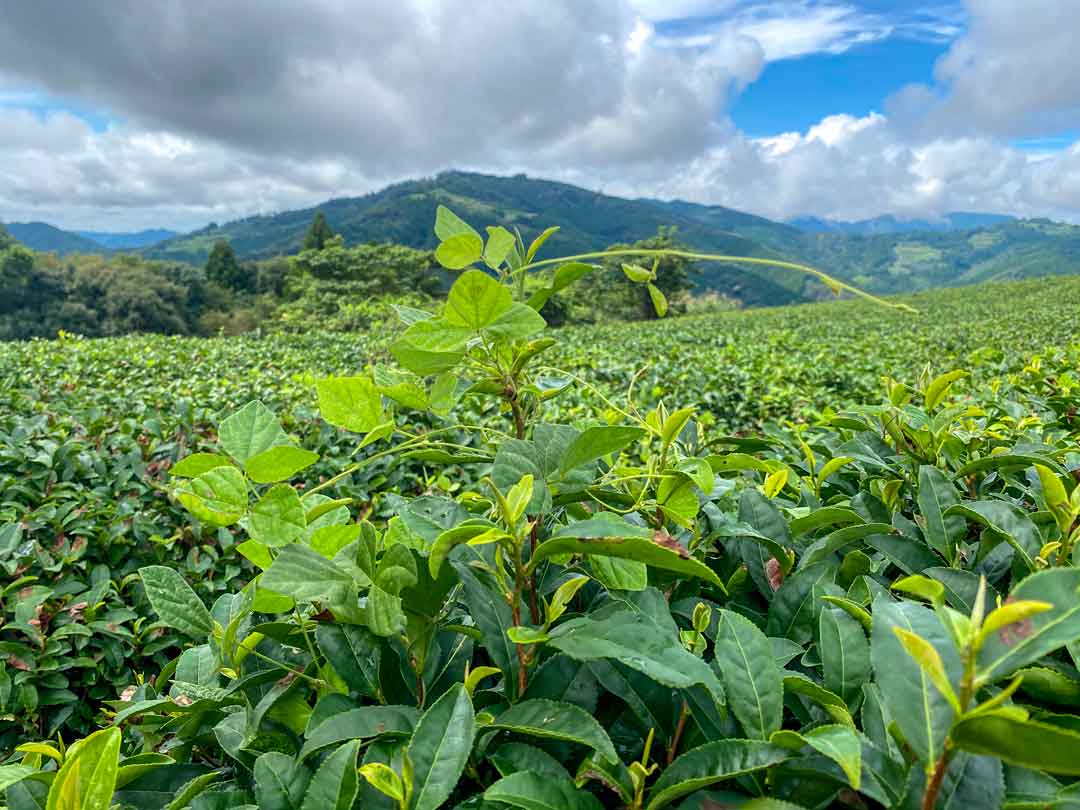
point(431, 347)
point(459, 251)
point(499, 245)
point(196, 464)
point(278, 518)
point(218, 497)
point(619, 575)
point(87, 778)
point(636, 273)
point(305, 575)
point(329, 540)
point(352, 403)
point(464, 533)
point(659, 300)
point(517, 323)
point(476, 301)
point(538, 242)
point(250, 431)
point(448, 224)
point(278, 464)
point(936, 391)
point(175, 603)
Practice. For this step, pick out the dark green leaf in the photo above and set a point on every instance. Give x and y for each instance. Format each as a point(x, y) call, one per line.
point(440, 747)
point(711, 763)
point(175, 603)
point(752, 680)
point(534, 791)
point(555, 720)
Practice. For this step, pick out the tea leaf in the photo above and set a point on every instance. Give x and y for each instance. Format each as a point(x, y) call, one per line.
point(175, 603)
point(87, 778)
point(555, 720)
point(751, 678)
point(711, 763)
point(534, 791)
point(439, 748)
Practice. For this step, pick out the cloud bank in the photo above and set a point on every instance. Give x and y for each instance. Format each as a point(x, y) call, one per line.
point(206, 111)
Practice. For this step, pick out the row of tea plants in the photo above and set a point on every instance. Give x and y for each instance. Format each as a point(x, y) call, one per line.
point(476, 605)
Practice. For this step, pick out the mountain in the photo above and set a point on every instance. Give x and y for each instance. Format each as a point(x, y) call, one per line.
point(48, 238)
point(587, 221)
point(956, 221)
point(960, 249)
point(129, 241)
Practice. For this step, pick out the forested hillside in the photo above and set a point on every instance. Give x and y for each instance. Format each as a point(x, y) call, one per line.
point(882, 262)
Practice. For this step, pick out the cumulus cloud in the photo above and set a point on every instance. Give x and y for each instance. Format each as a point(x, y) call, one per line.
point(1016, 72)
point(215, 111)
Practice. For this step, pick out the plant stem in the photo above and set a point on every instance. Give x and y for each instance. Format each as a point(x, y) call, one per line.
point(534, 607)
point(523, 664)
point(679, 727)
point(318, 682)
point(934, 786)
point(832, 283)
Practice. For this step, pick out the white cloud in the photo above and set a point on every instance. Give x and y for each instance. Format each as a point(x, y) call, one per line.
point(278, 106)
point(855, 168)
point(1016, 72)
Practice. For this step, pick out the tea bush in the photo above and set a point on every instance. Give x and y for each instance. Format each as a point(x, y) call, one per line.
point(505, 580)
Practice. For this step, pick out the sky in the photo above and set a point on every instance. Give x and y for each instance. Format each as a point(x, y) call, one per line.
point(150, 113)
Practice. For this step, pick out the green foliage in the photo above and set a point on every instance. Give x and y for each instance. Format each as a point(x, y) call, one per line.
point(223, 268)
point(319, 234)
point(884, 263)
point(476, 579)
point(620, 292)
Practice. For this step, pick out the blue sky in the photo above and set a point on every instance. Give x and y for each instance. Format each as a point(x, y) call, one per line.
point(120, 116)
point(794, 94)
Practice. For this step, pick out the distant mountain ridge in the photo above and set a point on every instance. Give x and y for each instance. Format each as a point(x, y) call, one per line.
point(956, 221)
point(127, 241)
point(962, 248)
point(48, 238)
point(947, 253)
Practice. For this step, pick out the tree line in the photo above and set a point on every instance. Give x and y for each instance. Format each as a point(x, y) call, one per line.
point(328, 285)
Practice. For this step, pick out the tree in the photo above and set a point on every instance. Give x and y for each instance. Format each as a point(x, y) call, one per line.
point(318, 234)
point(222, 267)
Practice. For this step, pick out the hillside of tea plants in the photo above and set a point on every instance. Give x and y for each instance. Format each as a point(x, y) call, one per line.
point(812, 557)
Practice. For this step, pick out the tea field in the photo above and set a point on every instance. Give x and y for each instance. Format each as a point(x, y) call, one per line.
point(806, 557)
